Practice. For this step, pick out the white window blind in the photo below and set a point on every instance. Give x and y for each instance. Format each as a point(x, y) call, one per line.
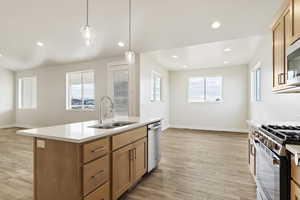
point(205, 89)
point(196, 89)
point(155, 94)
point(27, 93)
point(256, 85)
point(120, 93)
point(80, 90)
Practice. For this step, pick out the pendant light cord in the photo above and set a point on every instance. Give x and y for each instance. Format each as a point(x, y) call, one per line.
point(87, 12)
point(129, 25)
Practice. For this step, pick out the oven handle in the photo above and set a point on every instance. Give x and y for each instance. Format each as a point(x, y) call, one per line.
point(275, 161)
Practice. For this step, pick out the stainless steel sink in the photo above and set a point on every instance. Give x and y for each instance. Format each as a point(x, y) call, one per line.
point(112, 125)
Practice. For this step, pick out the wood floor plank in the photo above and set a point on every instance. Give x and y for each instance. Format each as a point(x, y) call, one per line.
point(195, 165)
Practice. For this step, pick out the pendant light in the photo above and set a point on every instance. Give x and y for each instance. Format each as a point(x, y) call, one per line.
point(130, 55)
point(88, 33)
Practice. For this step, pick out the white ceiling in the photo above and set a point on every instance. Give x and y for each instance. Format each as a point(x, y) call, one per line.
point(208, 55)
point(158, 24)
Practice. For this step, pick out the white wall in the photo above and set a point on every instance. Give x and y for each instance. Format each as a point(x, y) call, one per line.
point(51, 89)
point(7, 95)
point(229, 115)
point(150, 109)
point(273, 107)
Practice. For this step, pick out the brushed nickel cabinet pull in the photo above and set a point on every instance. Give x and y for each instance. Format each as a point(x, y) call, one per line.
point(135, 154)
point(131, 154)
point(97, 174)
point(98, 149)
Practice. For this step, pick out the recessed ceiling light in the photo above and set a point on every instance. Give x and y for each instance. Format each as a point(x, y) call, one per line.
point(226, 62)
point(185, 66)
point(227, 49)
point(121, 44)
point(215, 25)
point(40, 44)
point(175, 56)
point(1, 55)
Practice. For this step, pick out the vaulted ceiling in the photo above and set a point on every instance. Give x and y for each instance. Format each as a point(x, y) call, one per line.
point(158, 25)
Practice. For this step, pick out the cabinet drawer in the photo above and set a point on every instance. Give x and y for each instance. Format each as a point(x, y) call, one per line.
point(128, 137)
point(95, 149)
point(295, 170)
point(95, 174)
point(295, 191)
point(101, 193)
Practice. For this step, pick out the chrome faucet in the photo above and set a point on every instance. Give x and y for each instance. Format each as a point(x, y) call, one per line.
point(103, 99)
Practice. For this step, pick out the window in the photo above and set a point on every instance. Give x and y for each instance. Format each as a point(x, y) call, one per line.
point(205, 89)
point(118, 88)
point(155, 86)
point(80, 90)
point(27, 92)
point(256, 85)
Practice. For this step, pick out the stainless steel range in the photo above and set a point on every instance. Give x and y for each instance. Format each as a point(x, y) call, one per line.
point(272, 162)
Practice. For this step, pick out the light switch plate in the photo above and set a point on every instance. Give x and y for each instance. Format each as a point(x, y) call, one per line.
point(41, 144)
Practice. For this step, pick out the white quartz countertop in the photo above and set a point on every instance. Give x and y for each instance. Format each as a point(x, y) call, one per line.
point(81, 132)
point(293, 148)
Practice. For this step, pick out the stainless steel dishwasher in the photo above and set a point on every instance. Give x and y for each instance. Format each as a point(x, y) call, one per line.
point(154, 155)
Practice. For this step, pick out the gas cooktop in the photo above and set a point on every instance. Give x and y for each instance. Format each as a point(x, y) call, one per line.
point(283, 134)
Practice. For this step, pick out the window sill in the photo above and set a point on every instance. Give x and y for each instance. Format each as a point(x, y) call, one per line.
point(81, 110)
point(206, 102)
point(27, 109)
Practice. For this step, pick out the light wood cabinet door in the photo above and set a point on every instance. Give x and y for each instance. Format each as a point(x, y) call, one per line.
point(295, 191)
point(296, 19)
point(122, 170)
point(288, 26)
point(278, 55)
point(140, 158)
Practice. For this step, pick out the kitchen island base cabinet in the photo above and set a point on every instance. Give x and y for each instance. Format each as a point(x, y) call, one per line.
point(129, 165)
point(57, 170)
point(100, 169)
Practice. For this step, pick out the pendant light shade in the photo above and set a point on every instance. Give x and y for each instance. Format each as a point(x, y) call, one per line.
point(130, 55)
point(88, 33)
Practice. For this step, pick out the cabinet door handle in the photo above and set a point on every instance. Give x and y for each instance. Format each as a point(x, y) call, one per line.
point(281, 78)
point(252, 149)
point(131, 154)
point(97, 174)
point(97, 149)
point(135, 154)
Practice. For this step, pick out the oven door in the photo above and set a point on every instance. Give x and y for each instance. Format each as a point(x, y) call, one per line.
point(268, 173)
point(293, 64)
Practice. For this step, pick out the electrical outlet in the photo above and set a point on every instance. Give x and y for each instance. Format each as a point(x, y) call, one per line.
point(41, 144)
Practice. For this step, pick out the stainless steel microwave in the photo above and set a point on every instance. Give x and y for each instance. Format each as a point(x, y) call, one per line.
point(293, 64)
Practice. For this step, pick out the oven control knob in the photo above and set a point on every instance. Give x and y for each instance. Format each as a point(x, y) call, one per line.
point(269, 144)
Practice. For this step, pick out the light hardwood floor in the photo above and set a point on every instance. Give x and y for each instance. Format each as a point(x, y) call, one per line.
point(196, 165)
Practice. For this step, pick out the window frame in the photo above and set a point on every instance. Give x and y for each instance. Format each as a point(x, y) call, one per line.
point(20, 96)
point(205, 90)
point(68, 89)
point(153, 97)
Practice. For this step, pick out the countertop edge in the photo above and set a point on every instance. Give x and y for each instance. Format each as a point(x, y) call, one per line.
point(110, 132)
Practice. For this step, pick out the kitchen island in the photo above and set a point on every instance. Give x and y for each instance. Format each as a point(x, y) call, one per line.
point(78, 162)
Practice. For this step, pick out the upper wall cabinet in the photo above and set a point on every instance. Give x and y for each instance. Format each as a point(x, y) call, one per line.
point(285, 31)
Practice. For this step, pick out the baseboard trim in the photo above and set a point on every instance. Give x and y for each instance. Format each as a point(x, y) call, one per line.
point(24, 126)
point(8, 126)
point(210, 129)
